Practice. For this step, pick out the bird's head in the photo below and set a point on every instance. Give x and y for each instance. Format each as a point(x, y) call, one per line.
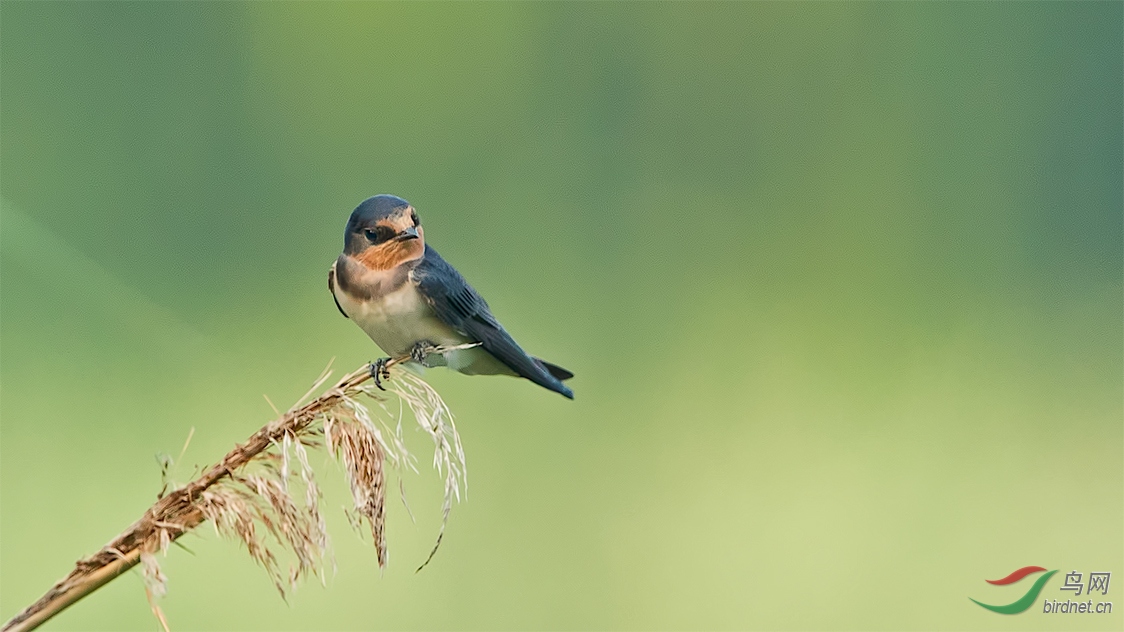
point(383, 233)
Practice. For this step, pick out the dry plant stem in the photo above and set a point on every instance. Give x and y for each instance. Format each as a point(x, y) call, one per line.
point(179, 509)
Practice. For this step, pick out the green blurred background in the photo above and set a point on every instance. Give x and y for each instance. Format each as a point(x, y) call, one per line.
point(841, 285)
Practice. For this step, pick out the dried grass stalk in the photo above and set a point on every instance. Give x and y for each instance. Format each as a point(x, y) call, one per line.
point(250, 496)
point(357, 445)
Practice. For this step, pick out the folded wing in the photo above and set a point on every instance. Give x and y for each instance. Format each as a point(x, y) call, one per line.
point(459, 306)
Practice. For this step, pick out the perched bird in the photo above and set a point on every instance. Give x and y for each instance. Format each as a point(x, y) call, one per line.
point(409, 300)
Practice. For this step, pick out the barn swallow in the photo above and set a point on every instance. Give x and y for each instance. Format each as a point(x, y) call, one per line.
point(408, 300)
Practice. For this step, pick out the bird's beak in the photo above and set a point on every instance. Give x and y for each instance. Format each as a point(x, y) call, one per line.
point(408, 234)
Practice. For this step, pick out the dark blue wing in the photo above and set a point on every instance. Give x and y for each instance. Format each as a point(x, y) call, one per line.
point(460, 307)
point(332, 289)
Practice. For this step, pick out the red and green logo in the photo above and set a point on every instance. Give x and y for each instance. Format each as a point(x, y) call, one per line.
point(1027, 600)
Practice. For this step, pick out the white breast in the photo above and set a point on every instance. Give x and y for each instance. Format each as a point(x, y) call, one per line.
point(398, 319)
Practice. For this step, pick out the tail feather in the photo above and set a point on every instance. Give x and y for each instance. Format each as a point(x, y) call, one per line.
point(558, 372)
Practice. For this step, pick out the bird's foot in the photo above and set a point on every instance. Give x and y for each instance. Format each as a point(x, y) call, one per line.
point(421, 351)
point(380, 372)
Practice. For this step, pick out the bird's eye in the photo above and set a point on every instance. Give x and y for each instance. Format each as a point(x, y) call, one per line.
point(414, 216)
point(378, 234)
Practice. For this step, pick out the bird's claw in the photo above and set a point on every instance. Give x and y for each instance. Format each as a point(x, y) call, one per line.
point(380, 372)
point(421, 351)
